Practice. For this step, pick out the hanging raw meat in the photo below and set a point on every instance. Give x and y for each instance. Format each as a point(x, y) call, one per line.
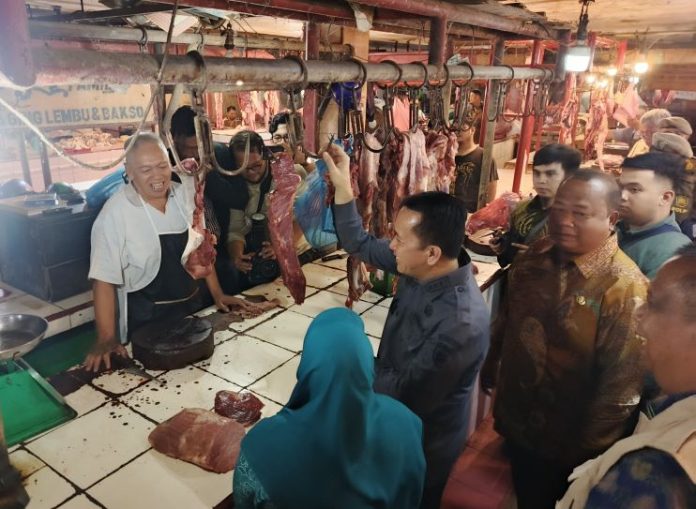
point(629, 105)
point(280, 225)
point(567, 119)
point(199, 255)
point(367, 180)
point(597, 130)
point(362, 170)
point(514, 99)
point(248, 109)
point(244, 408)
point(442, 149)
point(201, 437)
point(399, 179)
point(389, 163)
point(419, 166)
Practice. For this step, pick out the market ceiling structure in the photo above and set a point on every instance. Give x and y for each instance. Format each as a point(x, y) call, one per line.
point(668, 20)
point(228, 23)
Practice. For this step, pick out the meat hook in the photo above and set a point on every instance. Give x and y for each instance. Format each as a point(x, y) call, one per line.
point(412, 97)
point(461, 105)
point(387, 112)
point(295, 123)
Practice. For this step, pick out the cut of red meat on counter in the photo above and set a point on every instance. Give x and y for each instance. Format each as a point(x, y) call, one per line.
point(201, 437)
point(201, 261)
point(280, 225)
point(244, 408)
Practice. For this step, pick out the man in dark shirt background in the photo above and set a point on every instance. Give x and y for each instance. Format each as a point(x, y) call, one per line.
point(469, 160)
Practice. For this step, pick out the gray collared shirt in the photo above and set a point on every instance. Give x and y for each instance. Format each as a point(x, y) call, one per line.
point(435, 339)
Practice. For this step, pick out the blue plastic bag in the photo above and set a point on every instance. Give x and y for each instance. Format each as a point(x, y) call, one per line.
point(313, 213)
point(103, 189)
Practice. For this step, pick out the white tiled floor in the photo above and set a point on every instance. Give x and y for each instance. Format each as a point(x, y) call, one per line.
point(155, 480)
point(374, 319)
point(94, 445)
point(278, 385)
point(105, 451)
point(26, 463)
point(80, 502)
point(276, 290)
point(175, 390)
point(46, 489)
point(324, 300)
point(287, 330)
point(319, 276)
point(244, 359)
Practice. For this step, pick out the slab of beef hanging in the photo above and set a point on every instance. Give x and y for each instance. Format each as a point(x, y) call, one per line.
point(367, 181)
point(199, 254)
point(244, 408)
point(362, 164)
point(597, 129)
point(441, 149)
point(389, 164)
point(420, 172)
point(201, 437)
point(400, 179)
point(280, 225)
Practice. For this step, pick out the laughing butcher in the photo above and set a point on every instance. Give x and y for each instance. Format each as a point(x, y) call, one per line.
point(136, 264)
point(437, 330)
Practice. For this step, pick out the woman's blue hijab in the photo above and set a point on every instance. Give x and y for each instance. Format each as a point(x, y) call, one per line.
point(337, 444)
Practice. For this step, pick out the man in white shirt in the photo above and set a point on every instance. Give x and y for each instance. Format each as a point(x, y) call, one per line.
point(138, 241)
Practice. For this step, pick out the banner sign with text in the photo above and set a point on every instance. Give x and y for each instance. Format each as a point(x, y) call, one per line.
point(77, 105)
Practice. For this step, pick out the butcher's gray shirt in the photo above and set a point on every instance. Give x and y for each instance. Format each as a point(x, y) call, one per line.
point(435, 339)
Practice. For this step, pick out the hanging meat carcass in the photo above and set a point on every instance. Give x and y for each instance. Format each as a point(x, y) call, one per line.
point(441, 149)
point(248, 109)
point(597, 129)
point(363, 177)
point(568, 114)
point(280, 225)
point(199, 254)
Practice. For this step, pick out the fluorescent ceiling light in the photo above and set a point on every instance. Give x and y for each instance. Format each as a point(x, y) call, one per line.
point(641, 67)
point(578, 58)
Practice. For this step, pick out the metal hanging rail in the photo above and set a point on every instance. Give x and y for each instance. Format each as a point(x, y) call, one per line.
point(59, 67)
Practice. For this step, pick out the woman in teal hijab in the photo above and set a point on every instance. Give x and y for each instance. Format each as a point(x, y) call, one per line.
point(336, 444)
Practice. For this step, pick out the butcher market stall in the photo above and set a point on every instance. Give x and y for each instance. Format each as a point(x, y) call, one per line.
point(104, 453)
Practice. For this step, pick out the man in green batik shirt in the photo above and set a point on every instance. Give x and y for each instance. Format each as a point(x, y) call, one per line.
point(552, 165)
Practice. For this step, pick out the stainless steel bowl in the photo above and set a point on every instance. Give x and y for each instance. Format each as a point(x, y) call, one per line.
point(20, 333)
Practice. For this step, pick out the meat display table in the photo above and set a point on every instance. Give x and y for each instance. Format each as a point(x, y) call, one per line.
point(103, 455)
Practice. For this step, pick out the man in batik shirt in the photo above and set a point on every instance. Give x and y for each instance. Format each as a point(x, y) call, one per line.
point(570, 374)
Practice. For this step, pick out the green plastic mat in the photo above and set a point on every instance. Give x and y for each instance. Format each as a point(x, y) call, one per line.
point(63, 351)
point(382, 283)
point(28, 408)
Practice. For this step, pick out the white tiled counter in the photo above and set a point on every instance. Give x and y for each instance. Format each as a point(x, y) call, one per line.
point(103, 458)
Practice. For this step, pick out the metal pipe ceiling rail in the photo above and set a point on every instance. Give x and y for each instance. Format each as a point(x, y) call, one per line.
point(58, 67)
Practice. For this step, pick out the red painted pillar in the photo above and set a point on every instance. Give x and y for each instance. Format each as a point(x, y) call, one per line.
point(527, 123)
point(310, 98)
point(16, 61)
